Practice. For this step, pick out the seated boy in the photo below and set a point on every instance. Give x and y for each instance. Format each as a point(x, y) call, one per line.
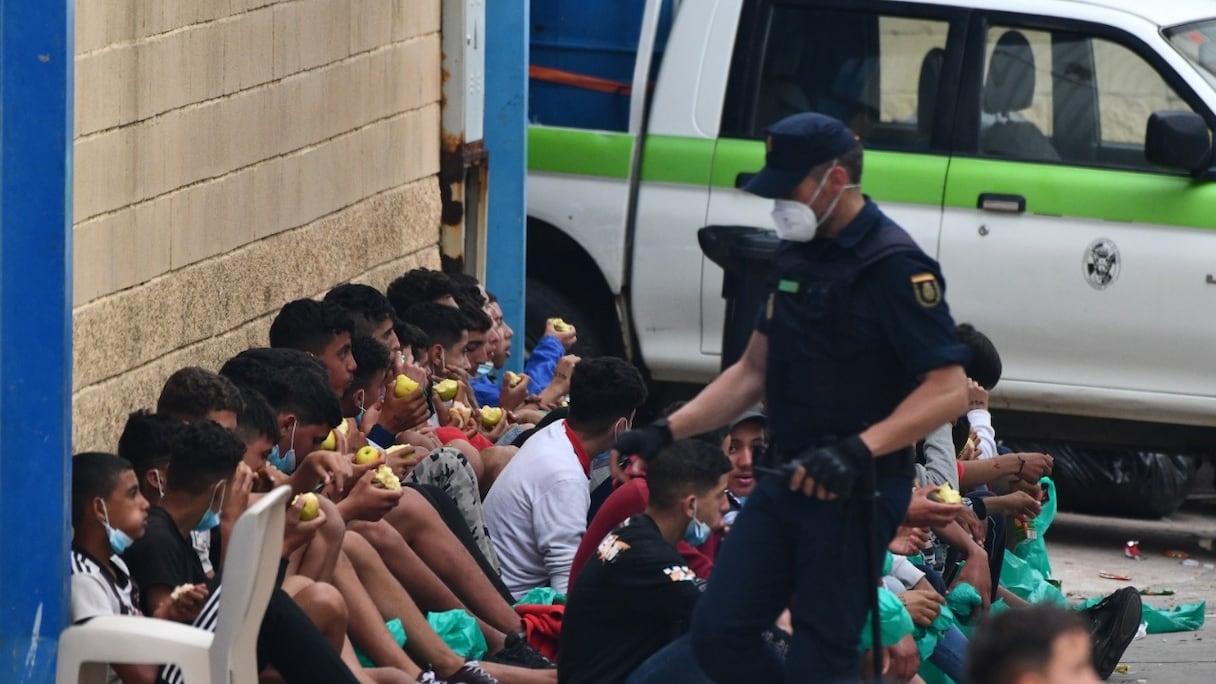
point(324, 331)
point(537, 509)
point(625, 616)
point(108, 514)
point(370, 311)
point(202, 460)
point(191, 394)
point(194, 393)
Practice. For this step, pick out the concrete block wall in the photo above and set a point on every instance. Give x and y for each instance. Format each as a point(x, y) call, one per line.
point(232, 155)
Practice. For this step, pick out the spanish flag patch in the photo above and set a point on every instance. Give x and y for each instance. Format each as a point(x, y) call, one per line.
point(927, 290)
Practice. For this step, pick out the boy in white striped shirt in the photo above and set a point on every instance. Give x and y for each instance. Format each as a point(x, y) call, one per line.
point(108, 514)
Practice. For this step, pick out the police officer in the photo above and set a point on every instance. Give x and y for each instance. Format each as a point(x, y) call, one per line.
point(856, 354)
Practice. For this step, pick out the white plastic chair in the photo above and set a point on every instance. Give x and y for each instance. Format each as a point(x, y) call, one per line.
point(229, 656)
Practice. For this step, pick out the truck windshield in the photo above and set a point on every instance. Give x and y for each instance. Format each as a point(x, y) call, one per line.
point(1197, 43)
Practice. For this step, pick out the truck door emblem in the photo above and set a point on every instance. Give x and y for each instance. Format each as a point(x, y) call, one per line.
point(1101, 264)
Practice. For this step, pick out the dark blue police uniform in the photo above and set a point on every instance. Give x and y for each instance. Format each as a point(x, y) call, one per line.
point(852, 322)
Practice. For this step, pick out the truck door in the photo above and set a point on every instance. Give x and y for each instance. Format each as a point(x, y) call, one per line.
point(888, 70)
point(1083, 263)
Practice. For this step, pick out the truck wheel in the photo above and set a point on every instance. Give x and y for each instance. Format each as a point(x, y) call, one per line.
point(545, 302)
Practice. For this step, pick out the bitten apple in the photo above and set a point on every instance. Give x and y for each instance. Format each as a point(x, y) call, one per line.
point(404, 386)
point(386, 479)
point(330, 442)
point(945, 494)
point(310, 507)
point(491, 416)
point(447, 389)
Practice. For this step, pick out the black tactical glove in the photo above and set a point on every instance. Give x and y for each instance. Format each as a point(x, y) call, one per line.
point(644, 442)
point(837, 466)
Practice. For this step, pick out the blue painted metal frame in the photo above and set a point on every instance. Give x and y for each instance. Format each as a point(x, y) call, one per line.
point(36, 56)
point(506, 136)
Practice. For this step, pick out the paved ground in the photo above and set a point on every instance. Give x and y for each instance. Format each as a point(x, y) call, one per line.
point(1080, 547)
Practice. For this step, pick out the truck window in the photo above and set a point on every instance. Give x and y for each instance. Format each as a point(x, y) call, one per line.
point(877, 73)
point(582, 56)
point(1057, 96)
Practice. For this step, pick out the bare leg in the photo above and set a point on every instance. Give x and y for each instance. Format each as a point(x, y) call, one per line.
point(327, 609)
point(424, 531)
point(1011, 599)
point(367, 622)
point(394, 602)
point(419, 580)
point(509, 674)
point(387, 675)
point(320, 555)
point(423, 641)
point(471, 454)
point(495, 459)
point(449, 470)
point(424, 586)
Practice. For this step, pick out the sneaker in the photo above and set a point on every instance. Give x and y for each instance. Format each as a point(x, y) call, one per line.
point(1112, 625)
point(470, 673)
point(517, 651)
point(428, 677)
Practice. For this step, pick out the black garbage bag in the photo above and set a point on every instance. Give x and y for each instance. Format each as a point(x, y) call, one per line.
point(1120, 482)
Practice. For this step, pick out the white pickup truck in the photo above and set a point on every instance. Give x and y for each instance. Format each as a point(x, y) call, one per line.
point(1012, 140)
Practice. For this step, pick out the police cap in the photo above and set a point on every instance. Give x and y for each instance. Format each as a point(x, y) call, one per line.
point(794, 146)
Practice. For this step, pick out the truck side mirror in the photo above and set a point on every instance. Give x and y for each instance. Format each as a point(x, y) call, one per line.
point(1178, 140)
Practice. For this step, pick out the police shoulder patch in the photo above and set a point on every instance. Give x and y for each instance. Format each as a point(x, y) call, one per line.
point(927, 290)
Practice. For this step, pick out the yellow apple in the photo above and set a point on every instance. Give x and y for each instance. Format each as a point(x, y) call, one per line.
point(330, 442)
point(491, 416)
point(560, 326)
point(310, 507)
point(404, 386)
point(368, 454)
point(344, 427)
point(447, 389)
point(385, 478)
point(513, 379)
point(945, 494)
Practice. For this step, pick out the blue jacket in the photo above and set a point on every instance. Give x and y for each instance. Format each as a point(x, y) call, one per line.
point(542, 363)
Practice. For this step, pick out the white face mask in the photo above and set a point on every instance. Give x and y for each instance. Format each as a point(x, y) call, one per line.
point(796, 221)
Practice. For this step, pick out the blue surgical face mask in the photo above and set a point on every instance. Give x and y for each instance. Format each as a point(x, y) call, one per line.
point(697, 532)
point(484, 369)
point(119, 541)
point(211, 518)
point(286, 463)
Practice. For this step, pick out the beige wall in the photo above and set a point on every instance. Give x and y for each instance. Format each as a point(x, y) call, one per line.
point(232, 155)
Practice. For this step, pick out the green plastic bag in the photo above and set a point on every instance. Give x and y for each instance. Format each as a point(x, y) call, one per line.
point(962, 600)
point(929, 672)
point(460, 631)
point(1184, 618)
point(1027, 583)
point(927, 637)
point(1187, 617)
point(541, 596)
point(894, 623)
point(396, 629)
point(1034, 551)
